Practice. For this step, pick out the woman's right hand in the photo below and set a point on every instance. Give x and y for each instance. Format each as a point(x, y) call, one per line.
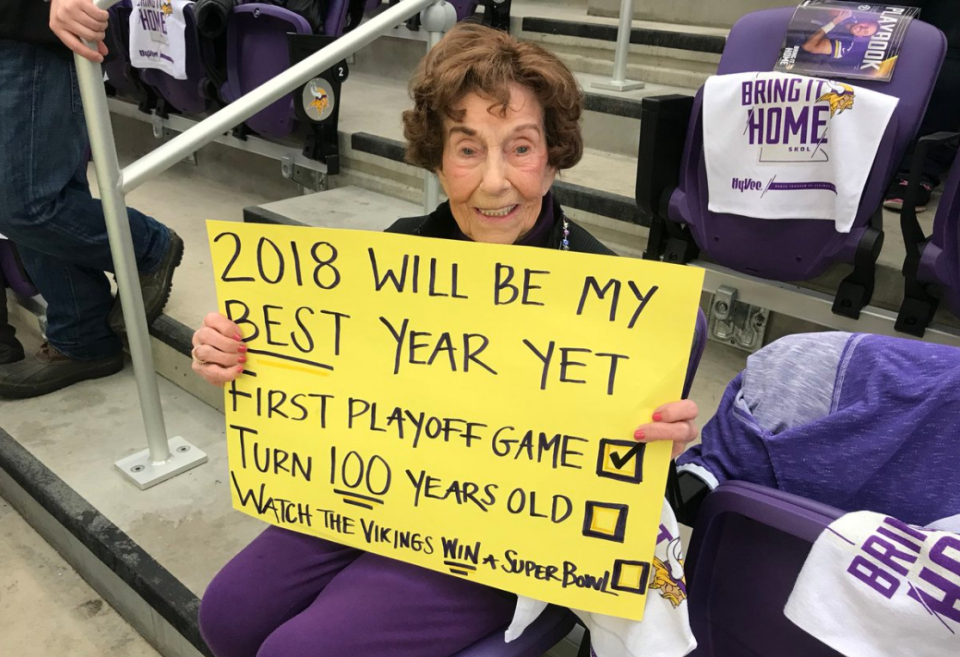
point(218, 350)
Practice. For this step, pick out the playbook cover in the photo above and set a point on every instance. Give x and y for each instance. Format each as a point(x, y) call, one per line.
point(845, 39)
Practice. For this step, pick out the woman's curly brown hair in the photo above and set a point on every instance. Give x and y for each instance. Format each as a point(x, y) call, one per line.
point(479, 59)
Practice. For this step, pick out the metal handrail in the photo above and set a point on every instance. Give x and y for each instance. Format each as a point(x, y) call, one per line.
point(159, 462)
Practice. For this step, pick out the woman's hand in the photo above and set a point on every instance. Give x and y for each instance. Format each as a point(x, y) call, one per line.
point(73, 20)
point(218, 350)
point(673, 421)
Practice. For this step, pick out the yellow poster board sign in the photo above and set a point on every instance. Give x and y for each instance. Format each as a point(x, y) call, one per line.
point(454, 405)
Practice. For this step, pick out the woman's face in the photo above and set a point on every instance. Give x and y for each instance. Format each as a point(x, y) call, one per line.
point(494, 168)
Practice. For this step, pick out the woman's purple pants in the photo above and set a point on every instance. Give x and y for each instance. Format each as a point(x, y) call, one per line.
point(293, 595)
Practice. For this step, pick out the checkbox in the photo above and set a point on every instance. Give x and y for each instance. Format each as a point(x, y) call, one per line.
point(606, 521)
point(631, 576)
point(631, 471)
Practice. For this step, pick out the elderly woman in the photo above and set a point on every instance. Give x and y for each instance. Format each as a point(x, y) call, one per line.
point(495, 119)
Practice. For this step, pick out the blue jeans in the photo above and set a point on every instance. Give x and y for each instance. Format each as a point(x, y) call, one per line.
point(45, 203)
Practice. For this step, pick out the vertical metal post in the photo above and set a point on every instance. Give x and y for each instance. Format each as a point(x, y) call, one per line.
point(619, 81)
point(436, 20)
point(158, 463)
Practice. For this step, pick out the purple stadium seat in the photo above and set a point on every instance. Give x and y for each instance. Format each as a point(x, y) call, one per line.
point(257, 52)
point(672, 186)
point(195, 94)
point(262, 42)
point(932, 262)
point(16, 277)
point(747, 549)
point(122, 78)
point(117, 63)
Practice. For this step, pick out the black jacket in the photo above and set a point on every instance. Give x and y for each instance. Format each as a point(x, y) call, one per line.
point(440, 223)
point(28, 21)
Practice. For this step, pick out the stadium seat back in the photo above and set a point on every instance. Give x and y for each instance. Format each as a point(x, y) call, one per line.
point(800, 249)
point(188, 96)
point(257, 51)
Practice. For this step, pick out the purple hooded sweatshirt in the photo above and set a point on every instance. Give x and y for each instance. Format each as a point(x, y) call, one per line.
point(857, 421)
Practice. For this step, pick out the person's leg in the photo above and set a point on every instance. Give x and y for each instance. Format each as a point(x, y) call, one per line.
point(269, 582)
point(59, 228)
point(379, 606)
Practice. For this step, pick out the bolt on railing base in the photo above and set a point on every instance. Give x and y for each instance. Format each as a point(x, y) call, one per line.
point(143, 473)
point(614, 85)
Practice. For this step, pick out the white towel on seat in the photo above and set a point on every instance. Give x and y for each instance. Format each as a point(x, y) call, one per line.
point(781, 146)
point(875, 587)
point(157, 38)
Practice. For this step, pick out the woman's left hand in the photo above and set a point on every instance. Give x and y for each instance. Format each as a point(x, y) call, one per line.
point(673, 421)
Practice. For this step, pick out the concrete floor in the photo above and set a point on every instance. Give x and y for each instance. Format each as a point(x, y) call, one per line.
point(46, 609)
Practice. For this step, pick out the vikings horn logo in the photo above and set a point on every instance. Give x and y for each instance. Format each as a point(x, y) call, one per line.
point(668, 577)
point(840, 97)
point(166, 7)
point(320, 99)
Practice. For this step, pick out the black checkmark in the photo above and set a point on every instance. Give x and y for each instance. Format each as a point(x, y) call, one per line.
point(620, 461)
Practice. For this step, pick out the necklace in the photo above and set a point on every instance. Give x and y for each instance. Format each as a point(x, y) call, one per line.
point(565, 242)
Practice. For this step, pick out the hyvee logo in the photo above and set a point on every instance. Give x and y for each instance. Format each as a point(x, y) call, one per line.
point(745, 184)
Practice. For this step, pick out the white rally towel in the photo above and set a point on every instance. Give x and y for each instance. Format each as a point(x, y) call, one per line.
point(157, 39)
point(781, 146)
point(665, 628)
point(873, 586)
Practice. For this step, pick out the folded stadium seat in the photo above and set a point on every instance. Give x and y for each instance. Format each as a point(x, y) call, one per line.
point(496, 13)
point(746, 551)
point(932, 267)
point(196, 94)
point(13, 271)
point(672, 185)
point(257, 52)
point(556, 622)
point(264, 41)
point(121, 78)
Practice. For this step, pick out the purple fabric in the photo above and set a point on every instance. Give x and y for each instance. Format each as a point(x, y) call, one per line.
point(292, 595)
point(539, 235)
point(889, 443)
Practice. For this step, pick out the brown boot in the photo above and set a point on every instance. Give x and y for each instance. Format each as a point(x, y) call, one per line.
point(49, 370)
point(155, 287)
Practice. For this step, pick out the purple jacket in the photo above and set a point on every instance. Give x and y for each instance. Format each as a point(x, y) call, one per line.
point(860, 422)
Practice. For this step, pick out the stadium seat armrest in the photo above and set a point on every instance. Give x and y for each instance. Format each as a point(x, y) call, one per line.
point(920, 301)
point(663, 132)
point(913, 236)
